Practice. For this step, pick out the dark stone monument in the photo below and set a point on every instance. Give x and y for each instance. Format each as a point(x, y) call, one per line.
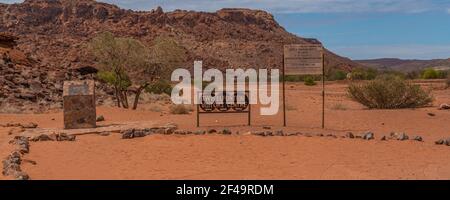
point(79, 104)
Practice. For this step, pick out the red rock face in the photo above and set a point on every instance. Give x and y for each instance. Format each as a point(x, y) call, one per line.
point(54, 33)
point(237, 37)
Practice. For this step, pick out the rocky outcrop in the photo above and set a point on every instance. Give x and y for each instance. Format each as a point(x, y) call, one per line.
point(57, 29)
point(51, 37)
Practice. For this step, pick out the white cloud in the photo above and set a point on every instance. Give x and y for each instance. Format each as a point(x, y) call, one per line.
point(412, 51)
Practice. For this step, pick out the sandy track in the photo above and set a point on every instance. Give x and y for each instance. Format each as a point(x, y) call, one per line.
point(236, 157)
point(250, 157)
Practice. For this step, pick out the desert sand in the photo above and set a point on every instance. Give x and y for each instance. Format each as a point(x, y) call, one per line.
point(246, 156)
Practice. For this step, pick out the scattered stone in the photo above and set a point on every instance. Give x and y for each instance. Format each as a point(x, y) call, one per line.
point(12, 124)
point(22, 144)
point(21, 176)
point(16, 130)
point(418, 138)
point(292, 134)
point(431, 114)
point(368, 136)
point(444, 106)
point(200, 132)
point(168, 129)
point(211, 131)
point(259, 133)
point(43, 138)
point(100, 118)
point(384, 138)
point(440, 142)
point(267, 127)
point(30, 125)
point(320, 135)
point(134, 133)
point(402, 137)
point(11, 166)
point(182, 132)
point(64, 137)
point(350, 135)
point(226, 132)
point(279, 133)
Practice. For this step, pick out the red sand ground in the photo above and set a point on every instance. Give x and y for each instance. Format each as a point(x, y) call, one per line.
point(252, 157)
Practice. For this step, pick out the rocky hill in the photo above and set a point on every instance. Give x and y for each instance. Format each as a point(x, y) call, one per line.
point(52, 35)
point(406, 65)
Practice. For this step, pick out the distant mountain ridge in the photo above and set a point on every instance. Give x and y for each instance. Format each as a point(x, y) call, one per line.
point(405, 65)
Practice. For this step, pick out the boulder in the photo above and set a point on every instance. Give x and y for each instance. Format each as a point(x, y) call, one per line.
point(211, 131)
point(350, 135)
point(199, 132)
point(418, 138)
point(65, 137)
point(226, 132)
point(444, 106)
point(368, 136)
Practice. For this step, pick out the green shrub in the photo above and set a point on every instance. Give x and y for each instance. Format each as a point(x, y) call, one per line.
point(430, 73)
point(112, 79)
point(389, 92)
point(338, 75)
point(160, 87)
point(309, 81)
point(180, 109)
point(363, 74)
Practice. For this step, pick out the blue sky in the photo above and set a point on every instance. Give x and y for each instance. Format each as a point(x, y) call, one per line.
point(359, 29)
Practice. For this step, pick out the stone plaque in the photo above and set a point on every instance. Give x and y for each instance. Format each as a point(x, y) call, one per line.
point(303, 59)
point(79, 104)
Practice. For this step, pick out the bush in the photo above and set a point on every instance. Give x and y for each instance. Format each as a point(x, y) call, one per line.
point(338, 75)
point(309, 81)
point(389, 92)
point(363, 74)
point(160, 87)
point(430, 74)
point(180, 109)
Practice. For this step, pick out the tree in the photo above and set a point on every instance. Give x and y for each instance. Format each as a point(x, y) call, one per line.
point(125, 62)
point(117, 58)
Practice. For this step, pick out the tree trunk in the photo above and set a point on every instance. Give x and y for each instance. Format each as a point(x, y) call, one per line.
point(116, 90)
point(124, 99)
point(138, 94)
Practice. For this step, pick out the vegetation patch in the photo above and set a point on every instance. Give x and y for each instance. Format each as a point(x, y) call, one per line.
point(389, 92)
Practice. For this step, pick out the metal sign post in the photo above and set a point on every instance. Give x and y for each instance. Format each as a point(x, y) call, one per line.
point(304, 59)
point(239, 106)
